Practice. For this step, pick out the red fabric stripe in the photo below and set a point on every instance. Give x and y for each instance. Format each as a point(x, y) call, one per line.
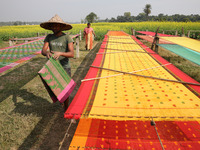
point(141, 135)
point(77, 106)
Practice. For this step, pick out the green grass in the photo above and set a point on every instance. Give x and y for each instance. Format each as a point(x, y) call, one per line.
point(28, 118)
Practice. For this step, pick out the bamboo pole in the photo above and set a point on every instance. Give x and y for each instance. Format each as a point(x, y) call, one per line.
point(112, 37)
point(121, 42)
point(123, 73)
point(128, 50)
point(146, 76)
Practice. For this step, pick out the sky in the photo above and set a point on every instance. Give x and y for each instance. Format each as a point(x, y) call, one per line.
point(75, 10)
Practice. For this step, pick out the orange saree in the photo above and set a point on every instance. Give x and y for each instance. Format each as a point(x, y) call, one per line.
point(88, 38)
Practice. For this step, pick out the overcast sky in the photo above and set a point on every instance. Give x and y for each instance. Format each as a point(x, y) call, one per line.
point(75, 10)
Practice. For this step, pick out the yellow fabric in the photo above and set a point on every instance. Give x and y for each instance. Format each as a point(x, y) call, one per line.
point(128, 97)
point(185, 41)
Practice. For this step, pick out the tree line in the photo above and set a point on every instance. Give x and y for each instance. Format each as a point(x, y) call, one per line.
point(15, 23)
point(160, 17)
point(144, 16)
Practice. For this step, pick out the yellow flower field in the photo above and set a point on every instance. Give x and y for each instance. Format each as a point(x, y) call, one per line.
point(101, 29)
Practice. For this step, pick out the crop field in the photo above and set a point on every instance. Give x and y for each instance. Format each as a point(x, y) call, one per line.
point(100, 29)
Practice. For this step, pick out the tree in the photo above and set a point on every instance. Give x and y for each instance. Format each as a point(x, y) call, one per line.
point(140, 16)
point(147, 10)
point(186, 19)
point(127, 14)
point(92, 17)
point(127, 17)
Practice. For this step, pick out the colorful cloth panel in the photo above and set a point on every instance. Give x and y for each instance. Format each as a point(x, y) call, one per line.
point(57, 82)
point(153, 33)
point(186, 53)
point(115, 112)
point(128, 97)
point(124, 135)
point(185, 42)
point(14, 55)
point(151, 39)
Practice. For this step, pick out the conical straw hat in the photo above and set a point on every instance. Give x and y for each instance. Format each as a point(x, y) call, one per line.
point(55, 20)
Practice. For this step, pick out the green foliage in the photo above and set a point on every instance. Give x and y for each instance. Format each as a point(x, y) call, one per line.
point(92, 17)
point(147, 9)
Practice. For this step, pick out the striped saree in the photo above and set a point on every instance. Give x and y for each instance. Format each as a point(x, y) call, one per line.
point(57, 82)
point(88, 38)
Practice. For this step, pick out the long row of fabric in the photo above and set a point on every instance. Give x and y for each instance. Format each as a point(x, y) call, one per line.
point(131, 98)
point(183, 46)
point(15, 55)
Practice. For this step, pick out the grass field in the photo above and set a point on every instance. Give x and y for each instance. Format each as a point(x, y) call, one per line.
point(28, 118)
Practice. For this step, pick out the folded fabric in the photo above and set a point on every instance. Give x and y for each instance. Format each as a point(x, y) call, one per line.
point(57, 82)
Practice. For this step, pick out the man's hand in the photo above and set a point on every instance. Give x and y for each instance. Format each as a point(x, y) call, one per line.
point(48, 54)
point(56, 54)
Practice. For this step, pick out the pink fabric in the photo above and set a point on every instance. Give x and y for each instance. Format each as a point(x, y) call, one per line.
point(66, 92)
point(4, 68)
point(88, 30)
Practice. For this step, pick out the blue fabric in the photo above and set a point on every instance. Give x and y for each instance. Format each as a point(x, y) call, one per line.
point(183, 52)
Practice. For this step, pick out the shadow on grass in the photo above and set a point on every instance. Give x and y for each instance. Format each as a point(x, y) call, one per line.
point(50, 130)
point(14, 80)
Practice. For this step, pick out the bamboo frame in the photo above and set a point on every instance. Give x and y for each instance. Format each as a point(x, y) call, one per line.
point(146, 76)
point(125, 51)
point(123, 73)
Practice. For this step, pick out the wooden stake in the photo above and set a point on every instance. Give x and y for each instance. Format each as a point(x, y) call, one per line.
point(133, 31)
point(156, 44)
point(176, 33)
point(80, 35)
point(154, 40)
point(183, 33)
point(77, 47)
point(147, 76)
point(188, 35)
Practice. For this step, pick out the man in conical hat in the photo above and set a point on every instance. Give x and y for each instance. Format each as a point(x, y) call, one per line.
point(58, 45)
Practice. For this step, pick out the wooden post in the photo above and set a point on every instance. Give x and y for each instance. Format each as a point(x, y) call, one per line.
point(188, 35)
point(38, 34)
point(133, 31)
point(157, 42)
point(154, 40)
point(10, 42)
point(183, 34)
point(80, 35)
point(176, 33)
point(77, 47)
